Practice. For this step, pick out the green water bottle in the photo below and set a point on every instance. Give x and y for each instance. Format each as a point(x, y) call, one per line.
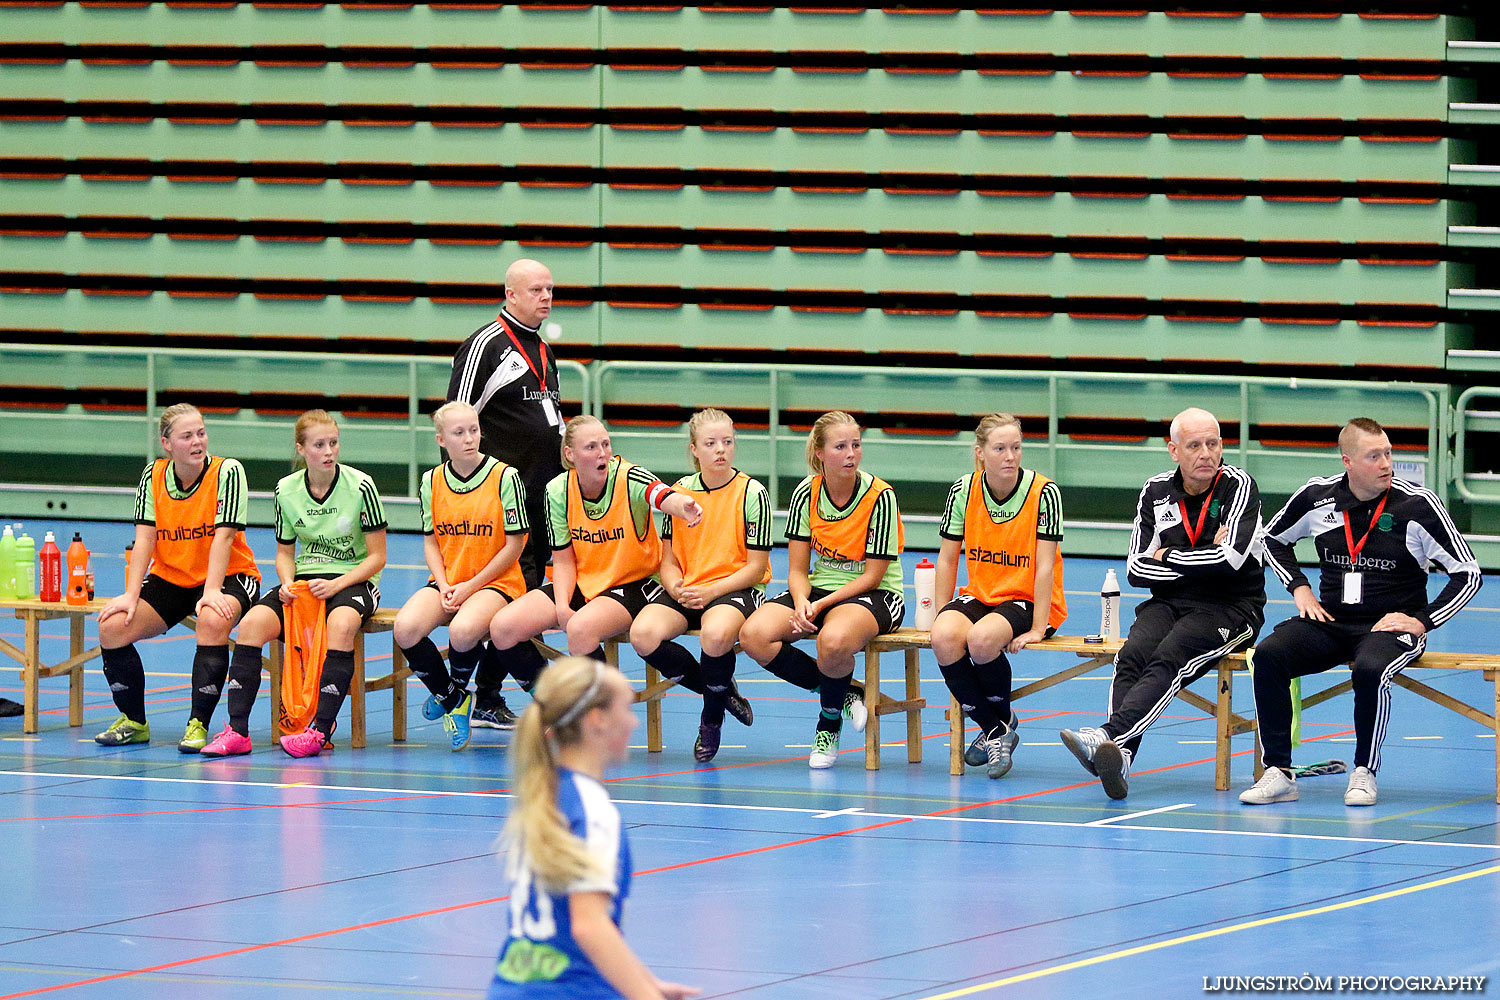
point(25, 568)
point(8, 565)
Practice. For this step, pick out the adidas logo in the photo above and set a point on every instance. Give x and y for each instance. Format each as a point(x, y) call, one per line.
point(233, 685)
point(117, 686)
point(209, 689)
point(329, 689)
point(1405, 638)
point(1224, 634)
point(300, 523)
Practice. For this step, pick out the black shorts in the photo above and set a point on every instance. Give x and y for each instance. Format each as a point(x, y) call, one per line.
point(744, 601)
point(174, 603)
point(887, 606)
point(364, 598)
point(633, 597)
point(1018, 613)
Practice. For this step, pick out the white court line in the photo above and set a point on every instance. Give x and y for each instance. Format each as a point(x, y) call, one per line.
point(420, 793)
point(1149, 812)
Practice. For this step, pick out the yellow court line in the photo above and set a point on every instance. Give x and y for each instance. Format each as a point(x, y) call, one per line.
point(1205, 935)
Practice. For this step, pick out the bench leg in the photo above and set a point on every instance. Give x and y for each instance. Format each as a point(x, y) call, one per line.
point(653, 712)
point(955, 737)
point(75, 676)
point(398, 692)
point(1497, 736)
point(31, 669)
point(357, 695)
point(872, 707)
point(1221, 726)
point(913, 715)
point(273, 671)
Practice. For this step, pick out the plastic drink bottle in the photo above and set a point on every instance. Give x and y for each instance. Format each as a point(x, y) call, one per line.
point(924, 581)
point(1109, 606)
point(50, 588)
point(25, 568)
point(8, 565)
point(78, 571)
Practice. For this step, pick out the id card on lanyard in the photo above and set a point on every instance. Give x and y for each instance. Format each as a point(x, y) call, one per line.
point(548, 407)
point(1354, 581)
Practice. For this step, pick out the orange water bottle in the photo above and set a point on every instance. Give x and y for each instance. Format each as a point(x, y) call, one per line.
point(51, 582)
point(78, 571)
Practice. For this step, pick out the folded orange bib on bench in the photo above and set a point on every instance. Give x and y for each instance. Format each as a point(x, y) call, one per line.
point(305, 639)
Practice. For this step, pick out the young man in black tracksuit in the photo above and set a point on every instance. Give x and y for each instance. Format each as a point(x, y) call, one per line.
point(1375, 535)
point(1197, 546)
point(506, 373)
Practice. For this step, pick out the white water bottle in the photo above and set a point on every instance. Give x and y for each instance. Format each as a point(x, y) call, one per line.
point(924, 582)
point(1109, 606)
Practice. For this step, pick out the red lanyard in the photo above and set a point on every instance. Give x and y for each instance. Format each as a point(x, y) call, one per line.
point(1349, 535)
point(541, 376)
point(1208, 497)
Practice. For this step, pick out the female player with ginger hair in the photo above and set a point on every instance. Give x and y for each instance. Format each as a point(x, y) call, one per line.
point(474, 530)
point(849, 518)
point(189, 558)
point(568, 859)
point(713, 575)
point(1005, 522)
point(330, 534)
point(605, 552)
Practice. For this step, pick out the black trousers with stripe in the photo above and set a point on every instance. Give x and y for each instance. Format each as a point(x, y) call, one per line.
point(1171, 644)
point(1301, 646)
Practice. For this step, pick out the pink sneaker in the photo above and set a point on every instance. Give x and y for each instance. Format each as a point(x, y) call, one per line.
point(308, 743)
point(227, 744)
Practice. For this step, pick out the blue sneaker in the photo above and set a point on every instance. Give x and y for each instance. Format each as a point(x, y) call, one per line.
point(432, 709)
point(456, 723)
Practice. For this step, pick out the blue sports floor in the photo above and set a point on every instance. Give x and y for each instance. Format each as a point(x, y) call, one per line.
point(138, 872)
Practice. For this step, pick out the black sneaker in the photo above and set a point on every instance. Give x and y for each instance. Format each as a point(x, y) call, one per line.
point(707, 744)
point(737, 706)
point(497, 716)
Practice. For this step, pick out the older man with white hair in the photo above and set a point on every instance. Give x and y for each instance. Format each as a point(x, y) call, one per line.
point(1197, 546)
point(505, 371)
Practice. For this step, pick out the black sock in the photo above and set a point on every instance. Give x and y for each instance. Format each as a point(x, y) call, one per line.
point(718, 674)
point(127, 681)
point(461, 663)
point(210, 668)
point(523, 661)
point(963, 680)
point(597, 653)
point(244, 685)
point(677, 664)
point(427, 664)
point(333, 687)
point(831, 697)
point(994, 680)
point(795, 667)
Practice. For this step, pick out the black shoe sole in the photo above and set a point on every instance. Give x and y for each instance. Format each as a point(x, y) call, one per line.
point(1078, 750)
point(1110, 763)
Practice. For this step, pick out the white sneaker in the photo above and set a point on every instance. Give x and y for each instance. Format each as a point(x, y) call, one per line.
point(1273, 786)
point(1083, 743)
point(1361, 790)
point(855, 711)
point(825, 749)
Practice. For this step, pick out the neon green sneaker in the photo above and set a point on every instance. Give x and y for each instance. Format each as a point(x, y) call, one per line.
point(122, 731)
point(194, 738)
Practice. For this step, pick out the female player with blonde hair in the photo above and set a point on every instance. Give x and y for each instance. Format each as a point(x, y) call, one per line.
point(605, 552)
point(474, 530)
point(330, 533)
point(189, 558)
point(568, 861)
point(713, 575)
point(1005, 523)
point(849, 518)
